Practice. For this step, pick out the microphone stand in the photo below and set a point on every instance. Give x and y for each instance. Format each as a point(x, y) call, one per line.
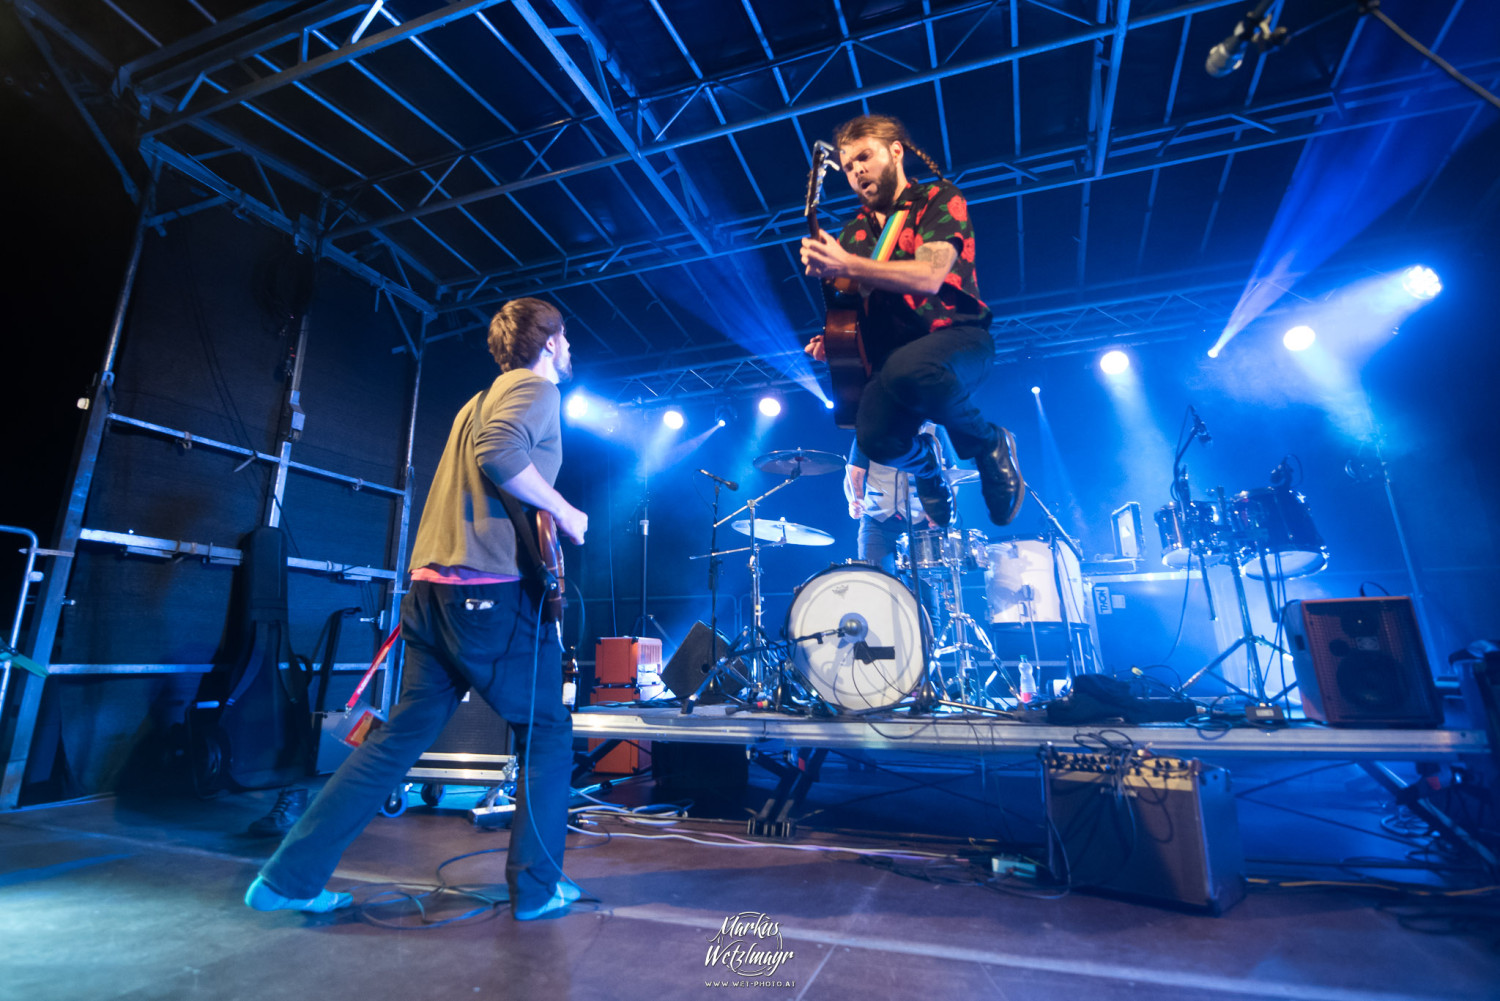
point(1056, 533)
point(645, 618)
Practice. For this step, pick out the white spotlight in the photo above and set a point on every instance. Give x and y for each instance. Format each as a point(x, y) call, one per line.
point(672, 419)
point(577, 406)
point(1114, 362)
point(1421, 282)
point(1036, 390)
point(770, 406)
point(1299, 338)
point(828, 404)
point(722, 422)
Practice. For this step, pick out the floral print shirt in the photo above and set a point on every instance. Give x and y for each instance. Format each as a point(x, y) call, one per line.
point(936, 211)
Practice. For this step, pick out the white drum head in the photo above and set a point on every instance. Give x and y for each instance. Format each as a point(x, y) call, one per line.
point(881, 656)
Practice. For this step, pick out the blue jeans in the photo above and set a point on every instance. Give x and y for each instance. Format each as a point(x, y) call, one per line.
point(453, 644)
point(879, 541)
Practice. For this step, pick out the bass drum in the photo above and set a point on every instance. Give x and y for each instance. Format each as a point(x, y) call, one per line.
point(872, 651)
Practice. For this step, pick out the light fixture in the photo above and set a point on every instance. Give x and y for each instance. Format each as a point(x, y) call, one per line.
point(828, 404)
point(1299, 338)
point(1036, 390)
point(672, 418)
point(1421, 282)
point(578, 405)
point(1114, 362)
point(770, 406)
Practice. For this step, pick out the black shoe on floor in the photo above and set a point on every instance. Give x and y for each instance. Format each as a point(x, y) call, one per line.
point(291, 803)
point(1000, 478)
point(932, 487)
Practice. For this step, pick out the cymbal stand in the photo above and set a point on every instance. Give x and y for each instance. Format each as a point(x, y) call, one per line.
point(752, 640)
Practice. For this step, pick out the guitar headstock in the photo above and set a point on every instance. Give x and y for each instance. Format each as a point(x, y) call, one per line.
point(825, 158)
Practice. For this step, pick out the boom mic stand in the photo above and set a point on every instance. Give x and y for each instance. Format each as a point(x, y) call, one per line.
point(1055, 534)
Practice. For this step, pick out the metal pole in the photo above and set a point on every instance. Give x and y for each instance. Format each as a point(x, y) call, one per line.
point(15, 627)
point(293, 429)
point(395, 662)
point(70, 519)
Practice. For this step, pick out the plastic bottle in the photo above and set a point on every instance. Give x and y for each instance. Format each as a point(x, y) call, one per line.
point(1026, 688)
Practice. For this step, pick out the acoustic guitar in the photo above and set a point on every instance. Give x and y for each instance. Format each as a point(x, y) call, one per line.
point(848, 365)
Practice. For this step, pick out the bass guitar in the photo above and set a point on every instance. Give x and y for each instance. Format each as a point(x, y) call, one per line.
point(848, 365)
point(550, 550)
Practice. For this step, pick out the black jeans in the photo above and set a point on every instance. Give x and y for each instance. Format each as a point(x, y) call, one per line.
point(454, 643)
point(928, 379)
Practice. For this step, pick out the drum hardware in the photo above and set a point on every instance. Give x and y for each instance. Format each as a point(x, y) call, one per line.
point(764, 682)
point(1248, 639)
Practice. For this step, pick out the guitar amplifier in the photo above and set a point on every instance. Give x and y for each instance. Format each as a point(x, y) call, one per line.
point(1159, 830)
point(473, 749)
point(626, 669)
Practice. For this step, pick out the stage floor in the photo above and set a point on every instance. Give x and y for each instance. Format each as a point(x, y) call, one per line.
point(140, 898)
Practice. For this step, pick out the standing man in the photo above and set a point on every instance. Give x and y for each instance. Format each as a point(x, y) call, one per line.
point(470, 620)
point(924, 327)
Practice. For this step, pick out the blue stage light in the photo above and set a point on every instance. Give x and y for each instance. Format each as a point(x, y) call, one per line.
point(1036, 390)
point(722, 422)
point(1114, 362)
point(828, 404)
point(1421, 282)
point(672, 419)
point(1299, 338)
point(578, 405)
point(770, 406)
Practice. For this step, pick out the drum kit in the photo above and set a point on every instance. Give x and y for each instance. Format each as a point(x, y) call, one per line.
point(858, 639)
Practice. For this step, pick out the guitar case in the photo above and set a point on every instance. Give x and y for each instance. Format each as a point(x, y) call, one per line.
point(251, 728)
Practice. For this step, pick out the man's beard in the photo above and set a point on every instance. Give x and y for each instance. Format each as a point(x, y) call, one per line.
point(885, 191)
point(564, 370)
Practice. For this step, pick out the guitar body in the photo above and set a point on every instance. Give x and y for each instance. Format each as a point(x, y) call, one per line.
point(848, 365)
point(550, 545)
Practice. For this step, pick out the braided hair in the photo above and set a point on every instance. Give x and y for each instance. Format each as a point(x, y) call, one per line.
point(887, 129)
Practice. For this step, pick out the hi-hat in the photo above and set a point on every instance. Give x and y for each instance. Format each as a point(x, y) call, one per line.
point(801, 461)
point(783, 531)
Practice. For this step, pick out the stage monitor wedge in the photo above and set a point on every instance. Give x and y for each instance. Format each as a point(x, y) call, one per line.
point(692, 662)
point(1360, 662)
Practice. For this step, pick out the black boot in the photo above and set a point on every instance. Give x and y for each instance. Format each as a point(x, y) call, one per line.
point(291, 803)
point(932, 487)
point(1000, 478)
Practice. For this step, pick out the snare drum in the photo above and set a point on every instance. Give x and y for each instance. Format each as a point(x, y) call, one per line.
point(1278, 523)
point(1199, 530)
point(872, 650)
point(933, 549)
point(1021, 583)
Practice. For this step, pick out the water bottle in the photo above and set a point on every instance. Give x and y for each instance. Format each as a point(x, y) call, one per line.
point(1026, 689)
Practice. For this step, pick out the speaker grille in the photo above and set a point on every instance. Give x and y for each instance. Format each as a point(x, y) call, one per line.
point(1368, 665)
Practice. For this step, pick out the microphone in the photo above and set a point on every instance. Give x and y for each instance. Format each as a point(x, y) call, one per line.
point(1229, 55)
point(720, 480)
point(1200, 429)
point(1281, 476)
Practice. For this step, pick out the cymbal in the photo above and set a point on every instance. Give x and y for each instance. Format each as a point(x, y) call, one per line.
point(788, 532)
point(957, 476)
point(803, 460)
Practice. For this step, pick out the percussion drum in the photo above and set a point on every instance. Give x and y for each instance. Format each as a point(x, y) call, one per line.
point(934, 550)
point(1277, 522)
point(1021, 583)
point(872, 652)
point(1184, 536)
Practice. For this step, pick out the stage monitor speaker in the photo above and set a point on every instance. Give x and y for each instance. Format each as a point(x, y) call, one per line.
point(474, 729)
point(1360, 662)
point(692, 662)
point(1160, 830)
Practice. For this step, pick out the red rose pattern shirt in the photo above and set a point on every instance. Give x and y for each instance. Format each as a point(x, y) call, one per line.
point(937, 211)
